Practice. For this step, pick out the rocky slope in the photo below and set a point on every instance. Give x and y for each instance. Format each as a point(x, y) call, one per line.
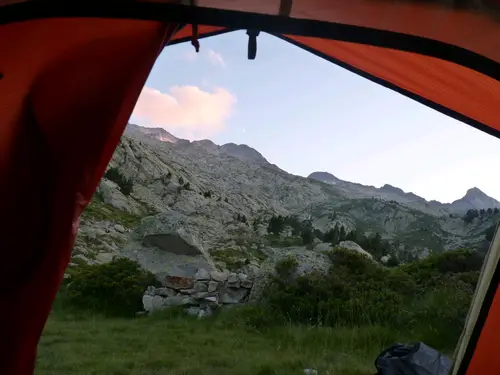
point(473, 199)
point(176, 201)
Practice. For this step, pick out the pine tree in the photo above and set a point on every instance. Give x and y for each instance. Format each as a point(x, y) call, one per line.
point(336, 235)
point(307, 237)
point(276, 224)
point(342, 234)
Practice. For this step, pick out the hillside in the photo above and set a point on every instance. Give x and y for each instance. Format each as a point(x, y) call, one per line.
point(213, 203)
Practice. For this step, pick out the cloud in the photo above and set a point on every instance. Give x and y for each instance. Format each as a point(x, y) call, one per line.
point(216, 59)
point(186, 111)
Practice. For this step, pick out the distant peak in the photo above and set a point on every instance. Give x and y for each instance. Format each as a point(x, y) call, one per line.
point(203, 142)
point(392, 189)
point(474, 191)
point(244, 152)
point(159, 134)
point(323, 176)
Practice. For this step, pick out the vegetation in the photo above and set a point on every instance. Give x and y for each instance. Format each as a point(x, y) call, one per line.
point(169, 344)
point(126, 185)
point(334, 324)
point(307, 237)
point(427, 300)
point(373, 243)
point(114, 288)
point(241, 218)
point(472, 214)
point(490, 232)
point(234, 259)
point(98, 210)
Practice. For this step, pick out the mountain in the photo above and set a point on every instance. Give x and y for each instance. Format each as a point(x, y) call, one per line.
point(159, 134)
point(473, 199)
point(242, 151)
point(324, 177)
point(164, 200)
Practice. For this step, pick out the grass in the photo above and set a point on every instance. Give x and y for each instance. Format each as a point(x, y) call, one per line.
point(277, 241)
point(174, 345)
point(98, 210)
point(336, 323)
point(233, 258)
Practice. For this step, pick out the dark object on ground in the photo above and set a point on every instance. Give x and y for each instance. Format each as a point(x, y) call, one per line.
point(417, 359)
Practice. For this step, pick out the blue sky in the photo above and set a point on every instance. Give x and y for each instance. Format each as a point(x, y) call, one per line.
point(305, 114)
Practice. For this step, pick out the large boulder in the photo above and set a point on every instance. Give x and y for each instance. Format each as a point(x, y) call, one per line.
point(308, 262)
point(176, 233)
point(168, 242)
point(354, 247)
point(178, 242)
point(323, 246)
point(159, 261)
point(172, 232)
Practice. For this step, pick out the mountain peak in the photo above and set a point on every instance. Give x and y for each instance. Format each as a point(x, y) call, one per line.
point(392, 189)
point(243, 152)
point(475, 198)
point(323, 177)
point(475, 192)
point(159, 134)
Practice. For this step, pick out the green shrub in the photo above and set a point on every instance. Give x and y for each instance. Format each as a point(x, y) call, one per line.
point(431, 270)
point(114, 288)
point(125, 185)
point(358, 291)
point(439, 315)
point(286, 267)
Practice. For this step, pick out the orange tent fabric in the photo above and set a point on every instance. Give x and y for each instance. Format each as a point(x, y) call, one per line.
point(62, 116)
point(70, 75)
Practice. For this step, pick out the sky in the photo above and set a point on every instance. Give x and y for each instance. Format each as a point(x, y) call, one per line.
point(306, 114)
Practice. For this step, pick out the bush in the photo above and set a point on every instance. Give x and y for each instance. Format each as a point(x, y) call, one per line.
point(431, 270)
point(126, 185)
point(114, 288)
point(438, 316)
point(356, 291)
point(286, 267)
point(429, 298)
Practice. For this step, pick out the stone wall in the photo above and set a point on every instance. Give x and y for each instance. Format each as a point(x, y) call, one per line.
point(200, 294)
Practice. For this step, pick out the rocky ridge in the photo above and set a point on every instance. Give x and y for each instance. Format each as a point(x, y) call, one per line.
point(197, 202)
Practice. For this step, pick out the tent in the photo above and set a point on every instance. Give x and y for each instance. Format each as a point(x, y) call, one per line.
point(71, 72)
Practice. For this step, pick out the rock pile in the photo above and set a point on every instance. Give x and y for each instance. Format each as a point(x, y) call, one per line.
point(201, 294)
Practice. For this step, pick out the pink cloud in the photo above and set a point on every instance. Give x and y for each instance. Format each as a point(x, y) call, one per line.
point(186, 111)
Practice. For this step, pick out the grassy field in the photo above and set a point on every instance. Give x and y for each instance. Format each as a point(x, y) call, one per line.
point(176, 345)
point(336, 324)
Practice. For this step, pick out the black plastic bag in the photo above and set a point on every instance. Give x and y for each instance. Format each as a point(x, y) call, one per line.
point(417, 359)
